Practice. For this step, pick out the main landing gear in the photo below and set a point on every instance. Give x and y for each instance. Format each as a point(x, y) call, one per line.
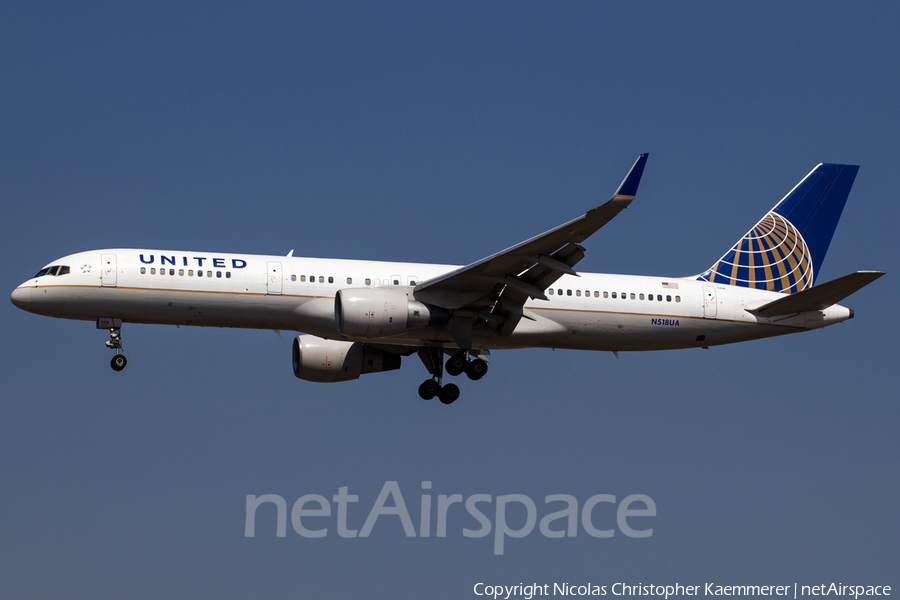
point(474, 368)
point(114, 342)
point(432, 387)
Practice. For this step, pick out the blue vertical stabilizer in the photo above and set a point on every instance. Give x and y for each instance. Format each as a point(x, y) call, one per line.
point(785, 250)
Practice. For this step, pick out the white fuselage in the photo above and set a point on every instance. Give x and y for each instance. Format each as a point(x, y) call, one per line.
point(588, 312)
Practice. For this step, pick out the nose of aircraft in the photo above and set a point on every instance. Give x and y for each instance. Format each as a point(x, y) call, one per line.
point(21, 296)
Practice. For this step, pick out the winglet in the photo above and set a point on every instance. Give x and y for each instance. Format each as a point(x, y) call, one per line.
point(629, 185)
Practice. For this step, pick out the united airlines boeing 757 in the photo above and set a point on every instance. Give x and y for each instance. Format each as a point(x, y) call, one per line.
point(358, 316)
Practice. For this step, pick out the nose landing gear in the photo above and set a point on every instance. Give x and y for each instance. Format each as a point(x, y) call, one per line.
point(114, 342)
point(118, 362)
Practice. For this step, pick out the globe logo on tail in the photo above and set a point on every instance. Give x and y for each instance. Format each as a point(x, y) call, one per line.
point(772, 256)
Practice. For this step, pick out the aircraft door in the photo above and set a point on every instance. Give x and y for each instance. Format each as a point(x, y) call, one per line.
point(273, 278)
point(709, 302)
point(108, 270)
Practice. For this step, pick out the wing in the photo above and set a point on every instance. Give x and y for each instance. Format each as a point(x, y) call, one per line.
point(494, 290)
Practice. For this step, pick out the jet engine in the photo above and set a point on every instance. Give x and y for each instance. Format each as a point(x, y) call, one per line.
point(380, 312)
point(317, 359)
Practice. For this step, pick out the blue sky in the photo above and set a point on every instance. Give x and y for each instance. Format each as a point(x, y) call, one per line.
point(440, 133)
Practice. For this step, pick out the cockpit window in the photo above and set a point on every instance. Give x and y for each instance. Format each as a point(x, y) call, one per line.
point(53, 270)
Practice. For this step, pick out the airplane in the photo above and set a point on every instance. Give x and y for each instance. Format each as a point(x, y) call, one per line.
point(357, 317)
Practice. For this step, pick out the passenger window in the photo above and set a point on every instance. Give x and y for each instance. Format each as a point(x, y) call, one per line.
point(624, 295)
point(349, 280)
point(330, 279)
point(632, 295)
point(559, 291)
point(312, 278)
point(550, 291)
point(143, 270)
point(659, 297)
point(578, 293)
point(181, 272)
point(568, 292)
point(293, 278)
point(368, 281)
point(641, 296)
point(412, 282)
point(199, 273)
point(227, 274)
point(587, 293)
point(614, 294)
point(65, 271)
point(677, 298)
point(596, 294)
point(396, 282)
point(209, 273)
point(321, 279)
point(606, 294)
point(172, 272)
point(190, 272)
point(650, 297)
point(668, 298)
point(152, 271)
point(303, 279)
point(219, 274)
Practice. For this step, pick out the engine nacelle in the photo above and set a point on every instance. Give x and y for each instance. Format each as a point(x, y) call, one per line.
point(317, 359)
point(378, 312)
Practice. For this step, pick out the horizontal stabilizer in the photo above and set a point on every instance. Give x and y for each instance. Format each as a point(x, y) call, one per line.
point(819, 296)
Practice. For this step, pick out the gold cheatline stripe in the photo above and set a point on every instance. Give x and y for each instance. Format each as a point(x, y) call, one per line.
point(120, 287)
point(605, 312)
point(633, 314)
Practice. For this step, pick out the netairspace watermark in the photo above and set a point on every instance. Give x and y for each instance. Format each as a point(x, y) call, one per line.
point(534, 590)
point(630, 515)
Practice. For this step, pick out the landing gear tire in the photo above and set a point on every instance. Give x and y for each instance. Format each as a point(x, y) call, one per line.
point(449, 393)
point(118, 362)
point(428, 390)
point(456, 364)
point(476, 369)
